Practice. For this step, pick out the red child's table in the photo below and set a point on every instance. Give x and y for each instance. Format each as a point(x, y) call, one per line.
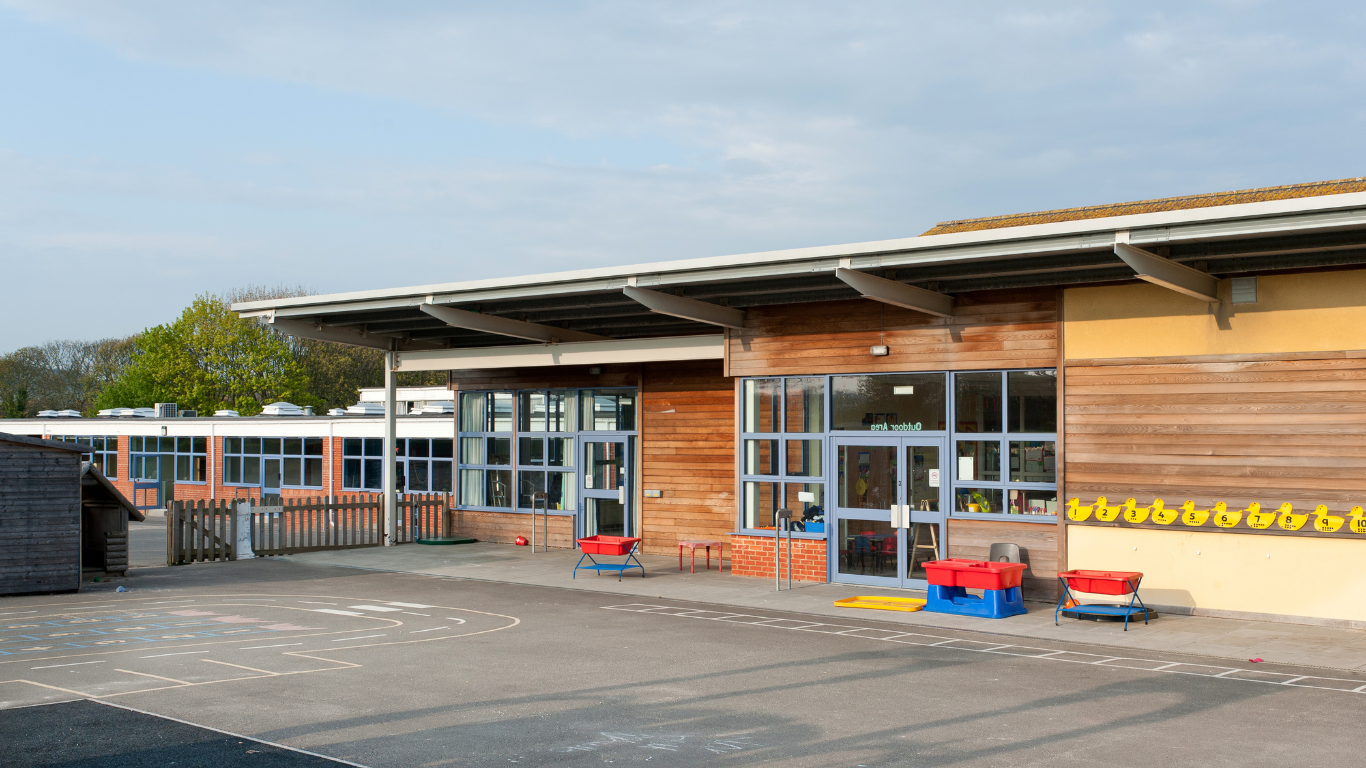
point(692, 557)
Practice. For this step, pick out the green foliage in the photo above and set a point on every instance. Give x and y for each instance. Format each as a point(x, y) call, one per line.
point(210, 359)
point(15, 404)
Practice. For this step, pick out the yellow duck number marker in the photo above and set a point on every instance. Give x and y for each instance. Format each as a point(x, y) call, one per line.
point(1134, 513)
point(1162, 515)
point(1195, 517)
point(1324, 522)
point(1226, 519)
point(1357, 524)
point(1105, 513)
point(1077, 513)
point(1290, 521)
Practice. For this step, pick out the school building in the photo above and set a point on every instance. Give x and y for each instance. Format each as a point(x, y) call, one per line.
point(915, 399)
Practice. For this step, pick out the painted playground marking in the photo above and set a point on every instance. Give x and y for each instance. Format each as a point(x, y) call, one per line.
point(1023, 651)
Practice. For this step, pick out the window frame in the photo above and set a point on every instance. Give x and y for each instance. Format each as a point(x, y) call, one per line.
point(952, 436)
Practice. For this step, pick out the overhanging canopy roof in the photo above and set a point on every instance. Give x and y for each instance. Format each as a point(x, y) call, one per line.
point(700, 296)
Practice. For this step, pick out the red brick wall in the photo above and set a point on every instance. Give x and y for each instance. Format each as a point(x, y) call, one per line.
point(753, 556)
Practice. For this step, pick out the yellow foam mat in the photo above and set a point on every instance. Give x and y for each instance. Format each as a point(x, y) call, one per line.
point(879, 603)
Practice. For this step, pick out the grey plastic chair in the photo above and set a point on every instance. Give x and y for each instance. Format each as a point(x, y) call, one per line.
point(1004, 553)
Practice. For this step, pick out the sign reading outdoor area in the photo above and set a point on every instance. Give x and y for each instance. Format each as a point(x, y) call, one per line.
point(895, 427)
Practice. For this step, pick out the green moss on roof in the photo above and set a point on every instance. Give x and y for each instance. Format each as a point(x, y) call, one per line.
point(1210, 200)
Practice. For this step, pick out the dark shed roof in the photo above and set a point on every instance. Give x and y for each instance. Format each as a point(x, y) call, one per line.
point(94, 484)
point(38, 442)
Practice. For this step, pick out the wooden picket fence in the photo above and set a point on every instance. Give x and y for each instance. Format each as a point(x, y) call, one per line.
point(207, 530)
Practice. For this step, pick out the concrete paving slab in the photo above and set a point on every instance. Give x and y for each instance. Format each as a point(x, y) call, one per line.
point(1222, 638)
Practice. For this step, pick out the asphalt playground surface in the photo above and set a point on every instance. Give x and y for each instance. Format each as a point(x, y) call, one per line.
point(245, 662)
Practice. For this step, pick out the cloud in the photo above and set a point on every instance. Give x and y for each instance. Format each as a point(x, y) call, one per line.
point(354, 145)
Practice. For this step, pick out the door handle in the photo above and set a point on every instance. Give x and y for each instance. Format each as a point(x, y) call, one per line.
point(621, 494)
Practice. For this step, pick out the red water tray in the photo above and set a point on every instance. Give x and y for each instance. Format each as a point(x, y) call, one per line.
point(1102, 582)
point(974, 574)
point(607, 545)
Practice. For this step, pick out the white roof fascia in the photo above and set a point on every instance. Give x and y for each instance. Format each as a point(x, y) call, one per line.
point(1267, 217)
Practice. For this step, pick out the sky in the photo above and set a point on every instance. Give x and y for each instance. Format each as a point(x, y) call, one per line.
point(154, 150)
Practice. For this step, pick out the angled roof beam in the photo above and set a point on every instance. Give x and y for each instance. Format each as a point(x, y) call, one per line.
point(505, 326)
point(897, 294)
point(306, 330)
point(688, 309)
point(1169, 274)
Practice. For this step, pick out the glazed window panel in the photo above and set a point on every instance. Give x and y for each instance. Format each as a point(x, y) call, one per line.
point(1033, 461)
point(761, 457)
point(891, 403)
point(804, 404)
point(1032, 401)
point(762, 405)
point(977, 398)
point(762, 500)
point(979, 460)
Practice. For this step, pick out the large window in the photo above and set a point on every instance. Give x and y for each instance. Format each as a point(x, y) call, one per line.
point(424, 465)
point(290, 462)
point(782, 451)
point(513, 446)
point(1005, 443)
point(162, 458)
point(103, 451)
point(1001, 429)
point(486, 449)
point(363, 464)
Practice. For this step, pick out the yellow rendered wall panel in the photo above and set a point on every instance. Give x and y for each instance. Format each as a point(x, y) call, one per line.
point(1283, 575)
point(1305, 312)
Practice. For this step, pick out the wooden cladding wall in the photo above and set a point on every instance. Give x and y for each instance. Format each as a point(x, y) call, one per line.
point(972, 540)
point(996, 329)
point(1261, 430)
point(688, 444)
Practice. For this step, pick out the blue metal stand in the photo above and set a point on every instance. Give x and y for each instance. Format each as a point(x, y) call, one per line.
point(1126, 611)
point(993, 604)
point(619, 568)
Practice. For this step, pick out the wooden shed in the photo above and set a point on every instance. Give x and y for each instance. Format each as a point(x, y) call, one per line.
point(105, 513)
point(40, 515)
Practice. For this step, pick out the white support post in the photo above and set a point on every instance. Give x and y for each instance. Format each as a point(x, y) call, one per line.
point(390, 442)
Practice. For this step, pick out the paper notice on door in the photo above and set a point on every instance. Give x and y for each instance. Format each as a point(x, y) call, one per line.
point(934, 478)
point(965, 468)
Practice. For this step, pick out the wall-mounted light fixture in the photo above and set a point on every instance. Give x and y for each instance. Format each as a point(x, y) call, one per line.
point(879, 351)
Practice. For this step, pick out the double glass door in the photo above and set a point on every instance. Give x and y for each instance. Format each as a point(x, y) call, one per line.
point(888, 509)
point(606, 490)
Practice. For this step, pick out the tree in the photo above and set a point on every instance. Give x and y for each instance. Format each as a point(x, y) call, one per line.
point(210, 359)
point(60, 375)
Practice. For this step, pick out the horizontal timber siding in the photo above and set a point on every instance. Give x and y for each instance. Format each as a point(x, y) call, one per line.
point(688, 447)
point(40, 519)
point(997, 329)
point(1268, 431)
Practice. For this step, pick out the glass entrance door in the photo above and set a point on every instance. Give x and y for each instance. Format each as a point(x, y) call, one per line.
point(606, 487)
point(888, 509)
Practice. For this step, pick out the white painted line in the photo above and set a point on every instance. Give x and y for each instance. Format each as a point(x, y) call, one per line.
point(159, 655)
point(1103, 661)
point(379, 608)
point(168, 602)
point(411, 605)
point(1359, 689)
point(315, 602)
point(258, 647)
point(230, 733)
point(1230, 671)
point(410, 613)
point(420, 631)
point(995, 648)
point(335, 611)
point(458, 621)
point(363, 637)
point(16, 613)
point(1164, 666)
point(76, 664)
point(1294, 680)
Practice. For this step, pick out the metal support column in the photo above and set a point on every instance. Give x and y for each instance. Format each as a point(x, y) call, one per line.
point(390, 445)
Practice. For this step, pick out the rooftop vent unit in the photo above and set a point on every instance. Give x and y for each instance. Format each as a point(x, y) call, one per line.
point(46, 414)
point(366, 409)
point(189, 414)
point(227, 413)
point(282, 409)
point(165, 410)
point(69, 413)
point(308, 410)
point(434, 407)
point(337, 412)
point(116, 413)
